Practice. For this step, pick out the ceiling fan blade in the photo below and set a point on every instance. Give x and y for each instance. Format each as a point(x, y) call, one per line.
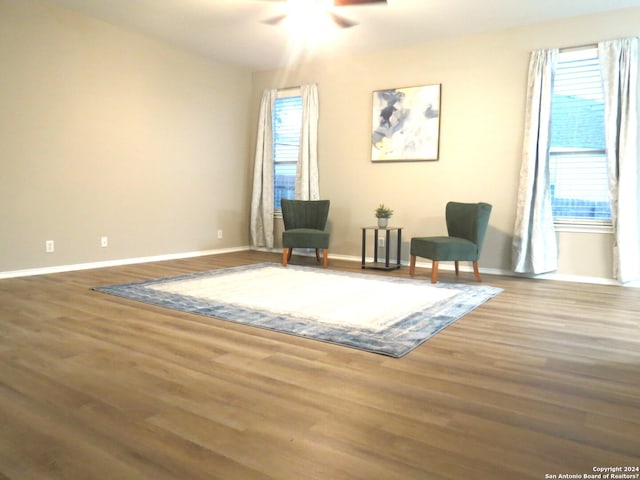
point(341, 21)
point(344, 3)
point(277, 20)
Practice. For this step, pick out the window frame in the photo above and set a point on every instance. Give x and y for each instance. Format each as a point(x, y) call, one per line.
point(577, 224)
point(283, 93)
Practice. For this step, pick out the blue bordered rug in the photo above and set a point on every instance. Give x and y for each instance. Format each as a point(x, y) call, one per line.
point(375, 313)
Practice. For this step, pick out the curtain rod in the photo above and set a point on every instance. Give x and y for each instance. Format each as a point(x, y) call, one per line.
point(592, 45)
point(579, 47)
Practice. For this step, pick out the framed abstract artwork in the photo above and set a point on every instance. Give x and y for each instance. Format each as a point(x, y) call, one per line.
point(406, 124)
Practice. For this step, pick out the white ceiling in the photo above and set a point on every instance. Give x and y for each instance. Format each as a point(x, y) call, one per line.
point(232, 31)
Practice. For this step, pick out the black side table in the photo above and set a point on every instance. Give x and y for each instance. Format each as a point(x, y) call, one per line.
point(386, 265)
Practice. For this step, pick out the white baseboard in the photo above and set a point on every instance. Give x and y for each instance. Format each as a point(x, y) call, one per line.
point(496, 271)
point(115, 263)
point(352, 258)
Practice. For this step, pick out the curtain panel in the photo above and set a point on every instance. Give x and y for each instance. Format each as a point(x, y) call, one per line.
point(307, 178)
point(619, 64)
point(261, 223)
point(535, 248)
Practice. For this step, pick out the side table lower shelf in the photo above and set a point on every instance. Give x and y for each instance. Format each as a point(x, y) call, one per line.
point(386, 264)
point(381, 266)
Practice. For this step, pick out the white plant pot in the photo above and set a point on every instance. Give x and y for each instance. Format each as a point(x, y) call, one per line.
point(383, 222)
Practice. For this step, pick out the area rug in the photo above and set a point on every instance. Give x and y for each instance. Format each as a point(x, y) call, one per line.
point(375, 313)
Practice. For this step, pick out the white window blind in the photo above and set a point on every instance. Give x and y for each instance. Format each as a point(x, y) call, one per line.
point(287, 125)
point(578, 165)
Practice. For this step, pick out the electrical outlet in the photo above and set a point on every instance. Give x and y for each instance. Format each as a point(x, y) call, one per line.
point(104, 242)
point(219, 234)
point(381, 242)
point(49, 246)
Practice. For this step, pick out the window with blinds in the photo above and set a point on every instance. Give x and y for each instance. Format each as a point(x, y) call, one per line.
point(287, 125)
point(578, 165)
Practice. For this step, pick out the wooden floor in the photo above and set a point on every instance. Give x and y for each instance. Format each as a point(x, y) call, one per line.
point(542, 380)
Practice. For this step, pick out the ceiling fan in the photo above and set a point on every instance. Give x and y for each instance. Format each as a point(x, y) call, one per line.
point(323, 7)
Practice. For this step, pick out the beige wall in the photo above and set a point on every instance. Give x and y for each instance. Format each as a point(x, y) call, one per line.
point(106, 132)
point(483, 81)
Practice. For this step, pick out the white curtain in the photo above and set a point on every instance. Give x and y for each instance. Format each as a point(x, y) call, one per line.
point(619, 62)
point(535, 248)
point(307, 184)
point(307, 180)
point(262, 199)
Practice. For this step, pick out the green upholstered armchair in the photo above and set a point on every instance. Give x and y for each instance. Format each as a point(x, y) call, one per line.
point(466, 224)
point(304, 223)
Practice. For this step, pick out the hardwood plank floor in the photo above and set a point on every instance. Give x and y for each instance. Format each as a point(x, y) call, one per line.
point(542, 380)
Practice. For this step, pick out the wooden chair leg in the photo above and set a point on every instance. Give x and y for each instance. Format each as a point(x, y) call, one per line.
point(318, 255)
point(434, 271)
point(412, 265)
point(285, 256)
point(457, 264)
point(325, 259)
point(289, 254)
point(476, 271)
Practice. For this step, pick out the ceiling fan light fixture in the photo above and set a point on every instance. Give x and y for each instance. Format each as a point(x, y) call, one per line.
point(306, 10)
point(309, 19)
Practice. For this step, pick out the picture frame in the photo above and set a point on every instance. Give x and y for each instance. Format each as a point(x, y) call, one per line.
point(406, 124)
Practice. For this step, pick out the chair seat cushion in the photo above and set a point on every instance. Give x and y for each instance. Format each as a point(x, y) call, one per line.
point(305, 238)
point(444, 248)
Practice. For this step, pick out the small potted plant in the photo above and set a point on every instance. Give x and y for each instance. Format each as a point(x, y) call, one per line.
point(383, 214)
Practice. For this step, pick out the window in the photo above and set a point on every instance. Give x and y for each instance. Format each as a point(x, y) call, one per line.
point(578, 165)
point(287, 125)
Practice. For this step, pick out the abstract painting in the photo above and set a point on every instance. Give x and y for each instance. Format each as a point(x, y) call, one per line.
point(406, 124)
